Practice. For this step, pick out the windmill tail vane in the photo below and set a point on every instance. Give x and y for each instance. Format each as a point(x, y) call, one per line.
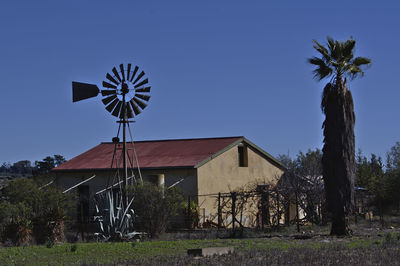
point(125, 92)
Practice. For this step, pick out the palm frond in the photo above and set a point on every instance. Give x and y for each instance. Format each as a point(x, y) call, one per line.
point(353, 71)
point(348, 47)
point(322, 72)
point(337, 59)
point(336, 52)
point(331, 43)
point(359, 61)
point(316, 61)
point(323, 51)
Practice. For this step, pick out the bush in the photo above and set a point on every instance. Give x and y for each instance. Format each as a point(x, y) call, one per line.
point(154, 207)
point(16, 224)
point(26, 210)
point(191, 214)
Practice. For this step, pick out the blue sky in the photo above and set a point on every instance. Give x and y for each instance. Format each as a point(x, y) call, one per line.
point(217, 68)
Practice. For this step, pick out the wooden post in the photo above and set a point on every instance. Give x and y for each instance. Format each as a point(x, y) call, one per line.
point(262, 209)
point(188, 218)
point(355, 208)
point(233, 195)
point(219, 211)
point(277, 208)
point(297, 213)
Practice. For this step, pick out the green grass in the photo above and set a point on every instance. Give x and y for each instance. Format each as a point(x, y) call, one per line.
point(110, 253)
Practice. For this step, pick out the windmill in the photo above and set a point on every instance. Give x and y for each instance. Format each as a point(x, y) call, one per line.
point(125, 93)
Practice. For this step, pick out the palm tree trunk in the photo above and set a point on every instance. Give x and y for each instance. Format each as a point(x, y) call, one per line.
point(338, 160)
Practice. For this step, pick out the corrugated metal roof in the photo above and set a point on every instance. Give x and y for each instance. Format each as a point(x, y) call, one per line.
point(151, 154)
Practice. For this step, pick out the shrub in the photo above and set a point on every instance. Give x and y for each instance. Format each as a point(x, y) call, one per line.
point(27, 210)
point(191, 214)
point(115, 219)
point(16, 223)
point(154, 207)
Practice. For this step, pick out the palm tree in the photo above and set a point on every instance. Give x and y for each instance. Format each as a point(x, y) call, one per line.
point(337, 62)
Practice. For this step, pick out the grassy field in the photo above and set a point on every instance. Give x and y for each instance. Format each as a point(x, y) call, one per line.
point(318, 250)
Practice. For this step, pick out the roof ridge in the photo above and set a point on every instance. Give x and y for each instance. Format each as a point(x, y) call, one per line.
point(189, 139)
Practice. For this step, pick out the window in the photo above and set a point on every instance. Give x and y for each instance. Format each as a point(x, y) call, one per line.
point(242, 153)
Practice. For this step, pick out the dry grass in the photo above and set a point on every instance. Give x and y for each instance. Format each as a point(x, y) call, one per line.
point(328, 255)
point(369, 246)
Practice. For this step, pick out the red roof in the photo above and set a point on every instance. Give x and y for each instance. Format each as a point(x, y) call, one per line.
point(151, 154)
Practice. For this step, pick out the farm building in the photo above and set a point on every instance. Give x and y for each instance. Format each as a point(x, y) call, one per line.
point(197, 166)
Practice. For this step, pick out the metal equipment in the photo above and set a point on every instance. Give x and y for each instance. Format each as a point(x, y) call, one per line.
point(125, 93)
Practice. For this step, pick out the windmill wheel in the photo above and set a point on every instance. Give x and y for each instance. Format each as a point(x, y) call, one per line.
point(126, 88)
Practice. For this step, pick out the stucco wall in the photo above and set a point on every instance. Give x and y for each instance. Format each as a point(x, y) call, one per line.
point(223, 174)
point(68, 179)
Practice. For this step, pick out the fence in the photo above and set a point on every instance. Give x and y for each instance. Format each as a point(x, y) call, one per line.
point(264, 207)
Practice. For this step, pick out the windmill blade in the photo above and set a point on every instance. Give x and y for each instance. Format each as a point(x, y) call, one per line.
point(135, 107)
point(109, 99)
point(117, 109)
point(129, 110)
point(108, 92)
point(134, 72)
point(82, 91)
point(121, 67)
point(142, 96)
point(114, 70)
point(139, 102)
point(145, 89)
point(110, 78)
point(108, 85)
point(138, 77)
point(112, 105)
point(142, 83)
point(128, 72)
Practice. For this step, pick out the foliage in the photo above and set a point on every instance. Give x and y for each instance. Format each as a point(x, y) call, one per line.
point(393, 158)
point(393, 173)
point(15, 221)
point(42, 212)
point(370, 175)
point(154, 206)
point(115, 219)
point(382, 183)
point(191, 214)
point(337, 59)
point(48, 163)
point(25, 167)
point(22, 167)
point(338, 161)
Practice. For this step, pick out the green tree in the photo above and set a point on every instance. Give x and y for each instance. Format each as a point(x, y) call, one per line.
point(337, 62)
point(362, 177)
point(393, 158)
point(22, 167)
point(393, 173)
point(48, 163)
